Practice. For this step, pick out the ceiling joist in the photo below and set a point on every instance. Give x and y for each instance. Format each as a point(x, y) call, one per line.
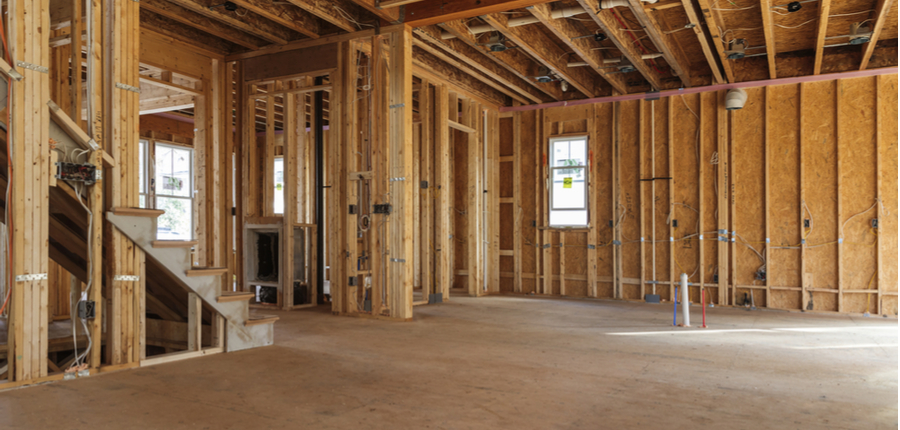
point(203, 23)
point(882, 10)
point(249, 23)
point(664, 42)
point(585, 48)
point(546, 51)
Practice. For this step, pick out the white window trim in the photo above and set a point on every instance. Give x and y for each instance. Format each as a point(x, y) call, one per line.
point(587, 173)
point(156, 195)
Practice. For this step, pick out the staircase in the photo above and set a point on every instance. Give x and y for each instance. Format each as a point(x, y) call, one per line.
point(242, 330)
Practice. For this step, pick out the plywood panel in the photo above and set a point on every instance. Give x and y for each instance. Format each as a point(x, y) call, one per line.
point(629, 135)
point(820, 189)
point(888, 222)
point(710, 190)
point(602, 178)
point(686, 173)
point(856, 144)
point(784, 265)
point(749, 185)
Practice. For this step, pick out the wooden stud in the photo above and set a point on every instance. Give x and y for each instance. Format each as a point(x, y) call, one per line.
point(824, 9)
point(769, 31)
point(882, 11)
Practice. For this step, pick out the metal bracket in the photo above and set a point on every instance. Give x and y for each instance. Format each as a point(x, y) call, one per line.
point(93, 144)
point(723, 231)
point(767, 240)
point(398, 260)
point(642, 239)
point(840, 240)
point(592, 247)
point(546, 246)
point(671, 239)
point(397, 105)
point(701, 237)
point(616, 242)
point(34, 67)
point(98, 175)
point(31, 277)
point(126, 278)
point(122, 86)
point(396, 179)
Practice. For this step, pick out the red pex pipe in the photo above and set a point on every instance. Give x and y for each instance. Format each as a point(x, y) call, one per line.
point(703, 304)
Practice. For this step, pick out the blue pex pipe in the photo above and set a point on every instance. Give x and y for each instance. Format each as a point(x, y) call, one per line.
point(675, 309)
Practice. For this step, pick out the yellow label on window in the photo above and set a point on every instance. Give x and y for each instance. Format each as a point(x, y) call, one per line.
point(567, 182)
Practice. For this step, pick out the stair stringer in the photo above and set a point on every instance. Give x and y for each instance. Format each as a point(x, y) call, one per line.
point(177, 260)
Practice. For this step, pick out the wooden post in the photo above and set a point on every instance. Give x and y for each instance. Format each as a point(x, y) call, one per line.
point(346, 138)
point(195, 322)
point(493, 199)
point(670, 143)
point(592, 239)
point(701, 169)
point(722, 198)
point(641, 176)
point(517, 202)
point(426, 154)
point(401, 166)
point(95, 200)
point(445, 242)
point(30, 123)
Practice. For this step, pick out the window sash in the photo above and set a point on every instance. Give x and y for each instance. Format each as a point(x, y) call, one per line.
point(553, 169)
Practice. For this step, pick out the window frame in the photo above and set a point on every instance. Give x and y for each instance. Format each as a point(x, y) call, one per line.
point(587, 172)
point(149, 181)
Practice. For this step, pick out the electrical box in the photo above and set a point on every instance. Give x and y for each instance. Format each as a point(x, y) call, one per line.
point(384, 209)
point(86, 310)
point(874, 222)
point(86, 173)
point(353, 210)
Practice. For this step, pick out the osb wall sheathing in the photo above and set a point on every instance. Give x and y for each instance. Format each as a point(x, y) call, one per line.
point(629, 168)
point(857, 186)
point(685, 135)
point(782, 116)
point(887, 155)
point(748, 180)
point(819, 145)
point(710, 209)
point(460, 143)
point(820, 189)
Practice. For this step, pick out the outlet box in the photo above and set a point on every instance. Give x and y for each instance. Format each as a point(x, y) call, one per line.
point(675, 223)
point(806, 223)
point(874, 222)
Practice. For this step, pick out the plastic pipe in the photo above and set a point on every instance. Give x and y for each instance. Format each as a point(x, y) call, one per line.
point(685, 301)
point(675, 309)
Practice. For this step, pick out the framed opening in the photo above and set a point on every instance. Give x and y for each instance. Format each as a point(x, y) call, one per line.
point(568, 181)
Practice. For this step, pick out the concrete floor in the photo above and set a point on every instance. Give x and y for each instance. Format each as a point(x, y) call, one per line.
point(506, 362)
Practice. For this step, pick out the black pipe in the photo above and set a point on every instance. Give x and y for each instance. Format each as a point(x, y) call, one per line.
point(319, 126)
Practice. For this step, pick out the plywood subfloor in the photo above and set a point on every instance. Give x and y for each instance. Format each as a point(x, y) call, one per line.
point(505, 362)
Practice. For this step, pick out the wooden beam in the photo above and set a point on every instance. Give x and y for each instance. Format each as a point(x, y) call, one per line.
point(708, 51)
point(623, 42)
point(427, 66)
point(824, 9)
point(434, 12)
point(712, 26)
point(769, 31)
point(442, 147)
point(342, 13)
point(250, 23)
point(301, 44)
point(882, 11)
point(418, 43)
point(395, 3)
point(516, 62)
point(29, 194)
point(179, 32)
point(665, 43)
point(570, 34)
point(482, 62)
point(391, 15)
point(169, 85)
point(195, 322)
point(545, 50)
point(287, 16)
point(200, 22)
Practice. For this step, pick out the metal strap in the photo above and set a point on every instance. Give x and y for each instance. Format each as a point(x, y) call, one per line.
point(34, 67)
point(397, 105)
point(126, 278)
point(396, 179)
point(128, 87)
point(31, 277)
point(398, 260)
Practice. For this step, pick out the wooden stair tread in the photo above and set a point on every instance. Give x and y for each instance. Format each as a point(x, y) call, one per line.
point(206, 271)
point(234, 296)
point(260, 319)
point(149, 213)
point(174, 243)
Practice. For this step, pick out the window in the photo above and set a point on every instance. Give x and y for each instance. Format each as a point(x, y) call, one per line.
point(568, 182)
point(278, 194)
point(173, 192)
point(142, 173)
